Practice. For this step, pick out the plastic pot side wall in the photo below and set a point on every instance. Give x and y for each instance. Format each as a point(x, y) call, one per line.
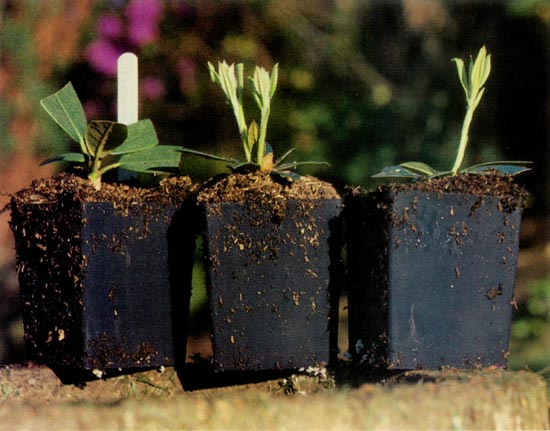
point(431, 279)
point(268, 275)
point(110, 305)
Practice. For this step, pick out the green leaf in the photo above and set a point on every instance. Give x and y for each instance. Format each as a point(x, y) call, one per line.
point(481, 69)
point(230, 79)
point(239, 70)
point(294, 165)
point(504, 167)
point(214, 76)
point(253, 135)
point(141, 135)
point(284, 156)
point(274, 79)
point(462, 74)
point(264, 85)
point(66, 110)
point(158, 158)
point(207, 155)
point(396, 172)
point(104, 136)
point(66, 157)
point(420, 168)
point(478, 98)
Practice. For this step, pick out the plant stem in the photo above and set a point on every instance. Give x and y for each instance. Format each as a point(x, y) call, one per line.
point(239, 115)
point(239, 111)
point(95, 179)
point(263, 131)
point(463, 138)
point(95, 172)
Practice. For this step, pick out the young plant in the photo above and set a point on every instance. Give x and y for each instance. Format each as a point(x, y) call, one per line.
point(473, 81)
point(106, 145)
point(258, 153)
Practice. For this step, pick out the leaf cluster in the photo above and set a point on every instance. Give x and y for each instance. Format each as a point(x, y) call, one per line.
point(472, 80)
point(106, 145)
point(417, 170)
point(258, 153)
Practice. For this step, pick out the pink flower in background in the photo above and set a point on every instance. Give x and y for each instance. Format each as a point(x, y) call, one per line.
point(110, 26)
point(152, 88)
point(102, 56)
point(144, 17)
point(116, 35)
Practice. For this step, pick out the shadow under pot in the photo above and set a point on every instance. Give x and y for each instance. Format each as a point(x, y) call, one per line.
point(272, 302)
point(98, 287)
point(431, 278)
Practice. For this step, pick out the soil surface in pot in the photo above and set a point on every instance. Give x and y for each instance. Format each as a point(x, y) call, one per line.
point(511, 194)
point(264, 187)
point(171, 190)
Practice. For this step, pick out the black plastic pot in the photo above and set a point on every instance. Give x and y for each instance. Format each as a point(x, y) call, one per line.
point(102, 288)
point(431, 279)
point(272, 302)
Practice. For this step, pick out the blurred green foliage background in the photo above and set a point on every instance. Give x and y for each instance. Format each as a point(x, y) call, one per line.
point(363, 84)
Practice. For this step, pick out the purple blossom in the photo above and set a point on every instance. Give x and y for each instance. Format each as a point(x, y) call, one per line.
point(152, 88)
point(110, 26)
point(144, 17)
point(102, 56)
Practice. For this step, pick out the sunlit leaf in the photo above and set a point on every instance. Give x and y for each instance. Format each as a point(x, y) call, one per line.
point(420, 168)
point(158, 158)
point(274, 79)
point(462, 74)
point(141, 135)
point(67, 157)
point(503, 167)
point(253, 135)
point(207, 155)
point(66, 110)
point(396, 172)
